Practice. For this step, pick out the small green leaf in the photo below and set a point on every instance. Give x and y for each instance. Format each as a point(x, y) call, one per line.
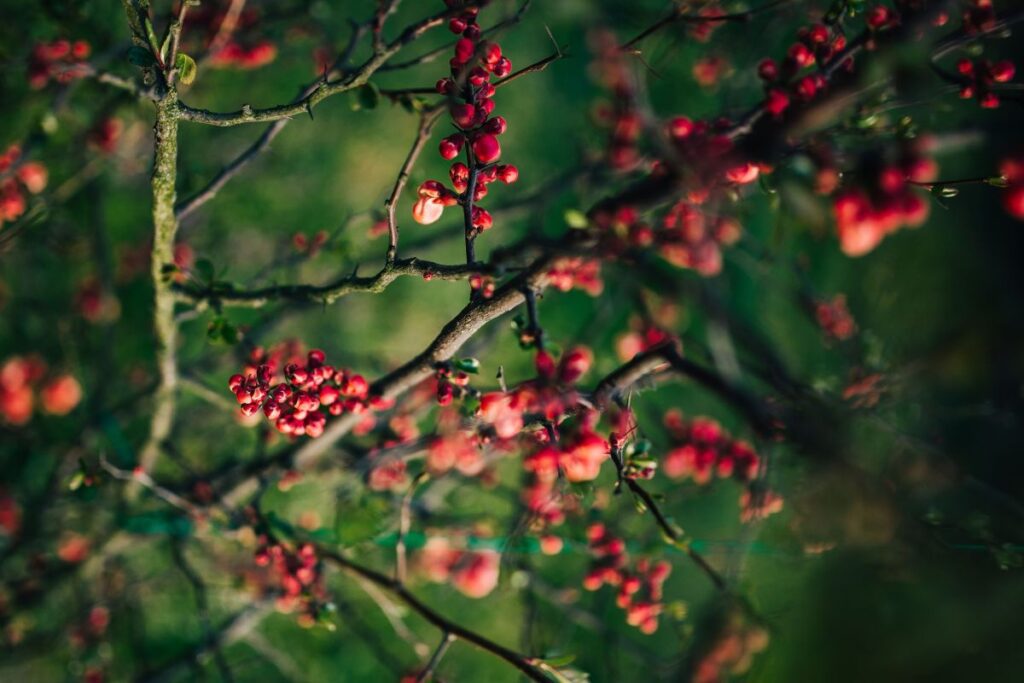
point(411, 103)
point(561, 661)
point(470, 365)
point(76, 481)
point(140, 56)
point(186, 67)
point(367, 97)
point(470, 405)
point(575, 218)
point(204, 270)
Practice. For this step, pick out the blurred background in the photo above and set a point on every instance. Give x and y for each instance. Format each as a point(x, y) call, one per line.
point(897, 555)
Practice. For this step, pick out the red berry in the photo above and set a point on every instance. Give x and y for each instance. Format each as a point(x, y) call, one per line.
point(503, 68)
point(464, 50)
point(1013, 201)
point(486, 148)
point(496, 125)
point(451, 146)
point(508, 173)
point(768, 70)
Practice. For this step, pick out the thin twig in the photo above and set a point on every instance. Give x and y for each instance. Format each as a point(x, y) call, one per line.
point(428, 671)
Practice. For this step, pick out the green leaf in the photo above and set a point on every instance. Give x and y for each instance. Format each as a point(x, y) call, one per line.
point(367, 97)
point(412, 104)
point(561, 661)
point(204, 270)
point(470, 405)
point(76, 481)
point(470, 365)
point(186, 67)
point(140, 56)
point(575, 218)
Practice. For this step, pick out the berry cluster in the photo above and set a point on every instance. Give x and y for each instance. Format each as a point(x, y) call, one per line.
point(458, 450)
point(886, 200)
point(61, 61)
point(310, 246)
point(309, 393)
point(731, 648)
point(15, 180)
point(242, 50)
point(579, 457)
point(105, 135)
point(241, 56)
point(90, 631)
point(978, 77)
point(640, 589)
point(703, 449)
point(1012, 170)
point(297, 573)
point(816, 46)
point(474, 573)
point(576, 272)
point(756, 503)
point(979, 16)
point(690, 239)
point(620, 116)
point(472, 111)
point(95, 303)
point(643, 335)
point(452, 383)
point(21, 377)
point(834, 318)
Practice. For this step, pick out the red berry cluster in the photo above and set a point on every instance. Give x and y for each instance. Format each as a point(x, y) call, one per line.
point(550, 396)
point(576, 272)
point(310, 246)
point(703, 449)
point(885, 201)
point(21, 378)
point(472, 109)
point(240, 56)
point(978, 77)
point(452, 383)
point(105, 135)
point(578, 456)
point(691, 239)
point(457, 450)
point(474, 573)
point(60, 61)
point(482, 285)
point(643, 335)
point(620, 116)
point(309, 393)
point(834, 318)
point(640, 589)
point(243, 50)
point(687, 236)
point(730, 650)
point(298, 574)
point(15, 180)
point(816, 46)
point(1012, 170)
point(979, 16)
point(758, 504)
point(702, 30)
point(90, 631)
